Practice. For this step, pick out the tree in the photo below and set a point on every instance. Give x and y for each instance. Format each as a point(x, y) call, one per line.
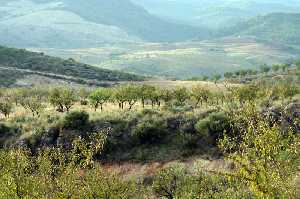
point(167, 95)
point(264, 68)
point(31, 99)
point(243, 73)
point(228, 75)
point(181, 95)
point(216, 78)
point(284, 67)
point(205, 78)
point(62, 98)
point(119, 95)
point(6, 106)
point(99, 97)
point(155, 96)
point(83, 94)
point(200, 95)
point(34, 104)
point(132, 94)
point(145, 93)
point(276, 67)
point(127, 93)
point(298, 64)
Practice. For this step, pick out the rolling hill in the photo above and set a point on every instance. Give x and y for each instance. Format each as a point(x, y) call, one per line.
point(275, 28)
point(18, 63)
point(81, 23)
point(218, 13)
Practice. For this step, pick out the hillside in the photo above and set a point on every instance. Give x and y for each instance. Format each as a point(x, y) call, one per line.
point(67, 24)
point(16, 63)
point(275, 28)
point(218, 13)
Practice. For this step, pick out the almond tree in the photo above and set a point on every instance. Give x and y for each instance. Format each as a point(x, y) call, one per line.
point(181, 95)
point(62, 98)
point(200, 95)
point(6, 106)
point(100, 97)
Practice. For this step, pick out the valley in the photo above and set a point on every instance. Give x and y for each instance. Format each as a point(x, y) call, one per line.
point(149, 99)
point(182, 60)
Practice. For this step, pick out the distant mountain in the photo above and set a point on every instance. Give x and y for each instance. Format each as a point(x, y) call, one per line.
point(216, 14)
point(82, 23)
point(276, 28)
point(17, 63)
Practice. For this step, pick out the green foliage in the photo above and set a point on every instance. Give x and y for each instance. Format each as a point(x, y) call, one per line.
point(247, 93)
point(216, 78)
point(261, 142)
point(276, 67)
point(176, 182)
point(100, 97)
point(168, 182)
point(131, 94)
point(264, 69)
point(34, 104)
point(214, 126)
point(6, 106)
point(83, 94)
point(181, 95)
point(298, 65)
point(54, 173)
point(62, 99)
point(266, 158)
point(76, 120)
point(150, 131)
point(228, 75)
point(145, 93)
point(200, 94)
point(280, 27)
point(37, 62)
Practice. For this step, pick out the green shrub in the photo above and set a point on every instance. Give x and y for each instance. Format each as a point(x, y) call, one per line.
point(76, 120)
point(6, 107)
point(150, 131)
point(213, 126)
point(168, 182)
point(8, 134)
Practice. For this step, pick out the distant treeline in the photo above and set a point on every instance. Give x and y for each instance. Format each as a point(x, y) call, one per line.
point(263, 69)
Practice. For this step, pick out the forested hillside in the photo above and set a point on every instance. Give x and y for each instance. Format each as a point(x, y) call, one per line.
point(18, 61)
point(276, 28)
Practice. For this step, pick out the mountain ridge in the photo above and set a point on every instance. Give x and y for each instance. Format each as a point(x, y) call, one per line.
point(274, 27)
point(39, 23)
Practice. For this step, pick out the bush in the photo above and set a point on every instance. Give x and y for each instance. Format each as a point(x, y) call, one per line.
point(213, 126)
point(168, 182)
point(150, 131)
point(6, 107)
point(7, 134)
point(76, 120)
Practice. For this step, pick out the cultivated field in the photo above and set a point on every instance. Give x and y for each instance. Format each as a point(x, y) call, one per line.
point(181, 60)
